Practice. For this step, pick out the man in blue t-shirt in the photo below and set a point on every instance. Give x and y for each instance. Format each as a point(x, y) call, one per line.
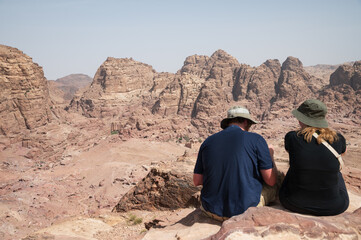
point(232, 165)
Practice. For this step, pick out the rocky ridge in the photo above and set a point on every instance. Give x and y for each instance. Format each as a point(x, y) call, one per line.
point(196, 97)
point(24, 96)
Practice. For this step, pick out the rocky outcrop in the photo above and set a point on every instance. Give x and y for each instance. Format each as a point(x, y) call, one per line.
point(293, 87)
point(160, 190)
point(348, 75)
point(118, 82)
point(179, 96)
point(261, 87)
point(343, 95)
point(215, 95)
point(24, 95)
point(342, 75)
point(216, 92)
point(270, 223)
point(294, 83)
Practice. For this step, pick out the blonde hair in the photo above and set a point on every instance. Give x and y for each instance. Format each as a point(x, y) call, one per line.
point(323, 134)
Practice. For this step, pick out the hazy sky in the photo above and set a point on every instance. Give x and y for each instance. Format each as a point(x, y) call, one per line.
point(76, 36)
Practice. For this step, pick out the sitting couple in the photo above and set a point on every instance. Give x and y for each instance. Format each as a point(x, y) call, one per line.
point(236, 167)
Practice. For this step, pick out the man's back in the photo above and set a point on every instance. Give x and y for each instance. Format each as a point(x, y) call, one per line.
point(230, 161)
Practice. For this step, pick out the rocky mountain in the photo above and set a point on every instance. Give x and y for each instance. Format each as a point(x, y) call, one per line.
point(133, 99)
point(142, 101)
point(24, 95)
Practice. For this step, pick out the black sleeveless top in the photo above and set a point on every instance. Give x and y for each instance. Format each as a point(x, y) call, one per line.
point(313, 184)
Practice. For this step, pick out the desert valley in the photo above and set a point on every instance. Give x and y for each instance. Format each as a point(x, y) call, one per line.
point(112, 157)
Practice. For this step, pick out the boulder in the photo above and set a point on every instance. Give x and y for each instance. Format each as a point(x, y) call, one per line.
point(162, 190)
point(271, 223)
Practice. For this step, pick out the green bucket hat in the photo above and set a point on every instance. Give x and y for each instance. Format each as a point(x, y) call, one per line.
point(237, 111)
point(312, 112)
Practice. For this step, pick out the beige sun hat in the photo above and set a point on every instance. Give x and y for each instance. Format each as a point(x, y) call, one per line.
point(237, 111)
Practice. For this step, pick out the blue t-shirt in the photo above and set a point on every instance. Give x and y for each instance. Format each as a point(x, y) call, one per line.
point(230, 161)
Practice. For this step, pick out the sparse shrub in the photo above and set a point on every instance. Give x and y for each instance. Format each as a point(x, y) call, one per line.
point(134, 219)
point(137, 221)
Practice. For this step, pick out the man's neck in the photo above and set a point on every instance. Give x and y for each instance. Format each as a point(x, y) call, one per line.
point(241, 125)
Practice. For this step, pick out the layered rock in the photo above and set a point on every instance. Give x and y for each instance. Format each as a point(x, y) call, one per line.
point(179, 96)
point(294, 86)
point(24, 95)
point(118, 82)
point(194, 100)
point(215, 95)
point(261, 87)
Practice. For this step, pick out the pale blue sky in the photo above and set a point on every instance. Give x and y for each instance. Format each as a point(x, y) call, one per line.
point(76, 36)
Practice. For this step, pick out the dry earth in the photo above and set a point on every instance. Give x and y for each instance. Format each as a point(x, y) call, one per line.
point(74, 198)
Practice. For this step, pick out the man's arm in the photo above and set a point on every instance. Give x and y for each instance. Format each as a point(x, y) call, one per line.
point(197, 179)
point(270, 175)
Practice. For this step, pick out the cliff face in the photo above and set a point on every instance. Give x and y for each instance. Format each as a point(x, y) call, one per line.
point(24, 95)
point(196, 98)
point(118, 82)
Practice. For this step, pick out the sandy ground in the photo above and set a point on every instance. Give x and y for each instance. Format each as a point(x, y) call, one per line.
point(86, 185)
point(73, 198)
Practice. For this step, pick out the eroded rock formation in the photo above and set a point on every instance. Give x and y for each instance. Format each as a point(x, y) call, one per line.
point(343, 95)
point(194, 100)
point(160, 190)
point(118, 82)
point(24, 95)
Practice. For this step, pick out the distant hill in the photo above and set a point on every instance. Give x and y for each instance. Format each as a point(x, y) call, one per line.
point(69, 86)
point(75, 80)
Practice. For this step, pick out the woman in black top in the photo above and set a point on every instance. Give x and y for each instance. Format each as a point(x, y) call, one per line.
point(314, 184)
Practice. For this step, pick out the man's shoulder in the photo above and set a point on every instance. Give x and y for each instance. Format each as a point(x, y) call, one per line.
point(254, 135)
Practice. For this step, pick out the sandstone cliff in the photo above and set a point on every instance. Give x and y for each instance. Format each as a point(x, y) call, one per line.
point(117, 83)
point(194, 100)
point(24, 95)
